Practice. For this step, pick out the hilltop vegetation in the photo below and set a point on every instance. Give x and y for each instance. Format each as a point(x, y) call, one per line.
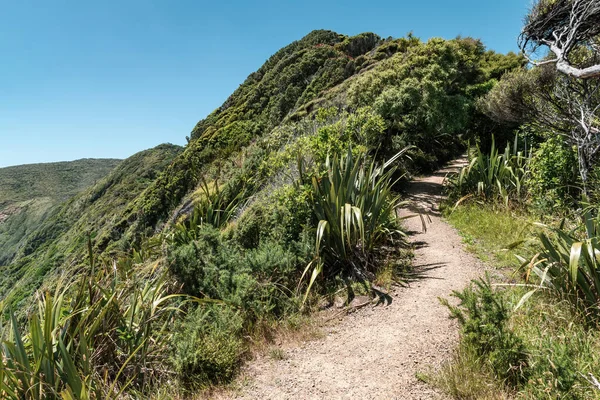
point(29, 193)
point(282, 197)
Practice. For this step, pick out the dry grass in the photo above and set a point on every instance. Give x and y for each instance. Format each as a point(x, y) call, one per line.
point(463, 378)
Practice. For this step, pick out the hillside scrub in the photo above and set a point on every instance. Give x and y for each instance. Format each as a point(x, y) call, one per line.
point(99, 336)
point(295, 174)
point(310, 97)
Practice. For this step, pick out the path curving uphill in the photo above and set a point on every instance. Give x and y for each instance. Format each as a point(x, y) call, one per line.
point(376, 352)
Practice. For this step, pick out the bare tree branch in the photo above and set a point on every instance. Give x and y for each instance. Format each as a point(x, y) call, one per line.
point(564, 26)
point(592, 380)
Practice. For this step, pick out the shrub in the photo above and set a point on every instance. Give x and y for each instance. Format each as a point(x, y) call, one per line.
point(366, 128)
point(258, 282)
point(554, 175)
point(483, 315)
point(281, 216)
point(207, 347)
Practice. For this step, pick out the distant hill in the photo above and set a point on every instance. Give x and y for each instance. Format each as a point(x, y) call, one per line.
point(58, 237)
point(29, 193)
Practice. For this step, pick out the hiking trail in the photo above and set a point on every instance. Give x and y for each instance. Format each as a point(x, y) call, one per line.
point(375, 352)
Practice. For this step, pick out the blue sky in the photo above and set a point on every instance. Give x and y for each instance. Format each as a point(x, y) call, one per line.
point(90, 79)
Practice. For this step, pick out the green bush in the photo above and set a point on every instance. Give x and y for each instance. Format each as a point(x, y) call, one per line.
point(483, 315)
point(207, 347)
point(366, 128)
point(195, 263)
point(259, 281)
point(553, 180)
point(282, 216)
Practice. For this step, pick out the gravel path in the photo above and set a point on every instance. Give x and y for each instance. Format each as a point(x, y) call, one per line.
point(375, 352)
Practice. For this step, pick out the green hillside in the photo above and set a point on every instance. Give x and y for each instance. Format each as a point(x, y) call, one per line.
point(29, 193)
point(314, 97)
point(59, 239)
point(282, 196)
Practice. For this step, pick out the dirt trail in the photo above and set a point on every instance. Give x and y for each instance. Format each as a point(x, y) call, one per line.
point(375, 352)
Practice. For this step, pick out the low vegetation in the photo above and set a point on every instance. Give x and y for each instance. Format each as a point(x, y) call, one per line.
point(532, 333)
point(531, 330)
point(96, 337)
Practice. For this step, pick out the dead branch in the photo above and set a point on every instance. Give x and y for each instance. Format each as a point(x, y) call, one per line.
point(564, 26)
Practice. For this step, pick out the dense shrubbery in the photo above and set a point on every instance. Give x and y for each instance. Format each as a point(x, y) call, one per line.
point(208, 347)
point(294, 155)
point(544, 179)
point(553, 179)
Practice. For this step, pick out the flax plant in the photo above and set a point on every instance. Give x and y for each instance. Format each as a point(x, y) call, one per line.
point(356, 210)
point(494, 176)
point(100, 336)
point(569, 265)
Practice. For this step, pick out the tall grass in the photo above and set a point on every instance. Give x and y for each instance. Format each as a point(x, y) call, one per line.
point(96, 337)
point(356, 210)
point(494, 176)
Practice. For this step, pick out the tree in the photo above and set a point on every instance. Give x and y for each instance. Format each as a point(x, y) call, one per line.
point(565, 27)
point(571, 106)
point(554, 102)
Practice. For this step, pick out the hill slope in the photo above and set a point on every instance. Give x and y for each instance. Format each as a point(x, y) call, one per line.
point(320, 94)
point(29, 193)
point(296, 171)
point(59, 239)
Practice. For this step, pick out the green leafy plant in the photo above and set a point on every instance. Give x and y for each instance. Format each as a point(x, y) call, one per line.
point(493, 176)
point(208, 346)
point(483, 315)
point(356, 210)
point(94, 338)
point(554, 178)
point(569, 264)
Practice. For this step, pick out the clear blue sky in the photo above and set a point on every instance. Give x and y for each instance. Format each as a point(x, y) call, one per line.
point(109, 78)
